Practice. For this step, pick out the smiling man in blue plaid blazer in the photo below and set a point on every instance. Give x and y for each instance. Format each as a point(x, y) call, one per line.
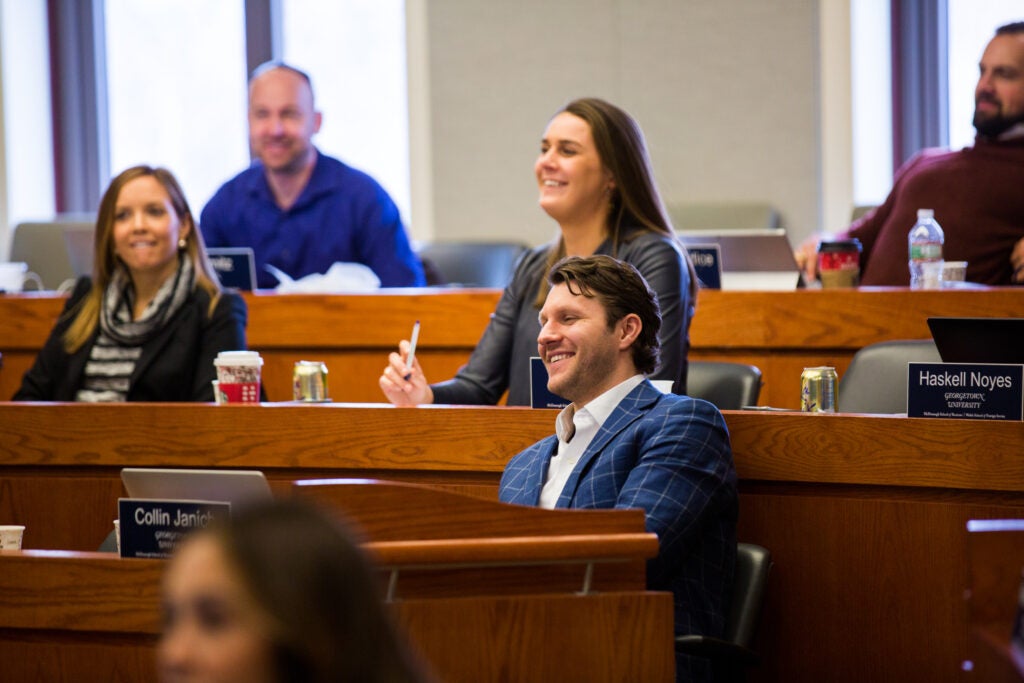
point(624, 444)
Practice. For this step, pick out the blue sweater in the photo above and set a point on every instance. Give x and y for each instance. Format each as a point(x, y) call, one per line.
point(341, 215)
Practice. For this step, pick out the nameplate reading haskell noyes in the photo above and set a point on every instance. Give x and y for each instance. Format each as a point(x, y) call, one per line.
point(153, 528)
point(971, 391)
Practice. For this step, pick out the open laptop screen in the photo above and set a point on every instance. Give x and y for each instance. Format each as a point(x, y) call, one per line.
point(235, 266)
point(231, 486)
point(79, 242)
point(751, 259)
point(979, 340)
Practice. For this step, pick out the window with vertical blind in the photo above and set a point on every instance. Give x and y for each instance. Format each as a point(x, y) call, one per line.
point(176, 86)
point(354, 51)
point(971, 25)
point(177, 91)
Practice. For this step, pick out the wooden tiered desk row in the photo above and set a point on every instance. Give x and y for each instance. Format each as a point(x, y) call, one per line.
point(780, 332)
point(484, 591)
point(864, 515)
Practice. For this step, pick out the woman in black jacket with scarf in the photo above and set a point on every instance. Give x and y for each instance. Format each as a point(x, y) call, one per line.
point(149, 323)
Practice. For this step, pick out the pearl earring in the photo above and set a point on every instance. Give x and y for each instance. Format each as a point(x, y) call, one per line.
point(182, 243)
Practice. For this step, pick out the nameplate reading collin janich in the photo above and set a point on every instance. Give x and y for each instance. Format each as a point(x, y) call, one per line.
point(154, 528)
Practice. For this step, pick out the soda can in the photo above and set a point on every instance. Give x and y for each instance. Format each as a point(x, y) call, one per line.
point(309, 381)
point(818, 390)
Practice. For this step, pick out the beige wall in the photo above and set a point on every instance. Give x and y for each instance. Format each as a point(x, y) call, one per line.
point(728, 93)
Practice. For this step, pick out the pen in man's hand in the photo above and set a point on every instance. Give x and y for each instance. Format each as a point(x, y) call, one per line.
point(412, 351)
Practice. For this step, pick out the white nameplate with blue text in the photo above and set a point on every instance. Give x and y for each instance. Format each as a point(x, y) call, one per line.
point(154, 528)
point(971, 391)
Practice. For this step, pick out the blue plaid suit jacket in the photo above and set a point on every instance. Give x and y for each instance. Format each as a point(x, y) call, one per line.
point(670, 456)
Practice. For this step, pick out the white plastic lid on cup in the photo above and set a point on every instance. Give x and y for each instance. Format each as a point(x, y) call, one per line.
point(236, 359)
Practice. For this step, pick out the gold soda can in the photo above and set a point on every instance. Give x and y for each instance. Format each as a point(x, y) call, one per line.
point(818, 390)
point(309, 381)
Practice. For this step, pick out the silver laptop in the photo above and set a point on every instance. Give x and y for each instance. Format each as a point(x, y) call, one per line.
point(231, 486)
point(52, 251)
point(80, 245)
point(751, 259)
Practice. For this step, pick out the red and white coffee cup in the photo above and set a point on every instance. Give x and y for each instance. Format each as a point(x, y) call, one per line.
point(238, 376)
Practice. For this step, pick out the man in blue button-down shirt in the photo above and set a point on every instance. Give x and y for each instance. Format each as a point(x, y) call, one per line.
point(623, 444)
point(299, 210)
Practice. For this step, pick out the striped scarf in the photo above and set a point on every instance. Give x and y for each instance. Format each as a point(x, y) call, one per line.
point(118, 346)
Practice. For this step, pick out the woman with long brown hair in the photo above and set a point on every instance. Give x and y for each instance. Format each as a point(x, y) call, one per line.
point(595, 180)
point(149, 322)
point(280, 592)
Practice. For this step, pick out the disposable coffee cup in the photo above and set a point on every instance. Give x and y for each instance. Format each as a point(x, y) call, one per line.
point(839, 263)
point(953, 272)
point(14, 275)
point(238, 376)
point(10, 536)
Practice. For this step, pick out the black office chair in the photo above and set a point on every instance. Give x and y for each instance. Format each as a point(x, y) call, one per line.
point(730, 386)
point(876, 381)
point(470, 264)
point(732, 654)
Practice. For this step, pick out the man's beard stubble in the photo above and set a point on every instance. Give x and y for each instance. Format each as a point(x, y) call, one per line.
point(994, 126)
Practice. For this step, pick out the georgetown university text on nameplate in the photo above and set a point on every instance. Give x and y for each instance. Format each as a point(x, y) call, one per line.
point(965, 390)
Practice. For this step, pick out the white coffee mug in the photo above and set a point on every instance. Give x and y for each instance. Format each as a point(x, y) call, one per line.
point(14, 274)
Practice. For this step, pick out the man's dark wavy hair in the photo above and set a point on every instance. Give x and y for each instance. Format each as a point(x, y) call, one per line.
point(622, 290)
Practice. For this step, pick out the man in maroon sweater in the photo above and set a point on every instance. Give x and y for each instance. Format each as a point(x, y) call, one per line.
point(977, 193)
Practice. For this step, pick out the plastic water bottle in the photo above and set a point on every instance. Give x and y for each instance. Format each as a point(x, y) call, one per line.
point(925, 246)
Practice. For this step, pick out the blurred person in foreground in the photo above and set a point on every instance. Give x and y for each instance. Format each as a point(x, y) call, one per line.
point(622, 443)
point(300, 210)
point(595, 180)
point(280, 593)
point(150, 321)
point(975, 192)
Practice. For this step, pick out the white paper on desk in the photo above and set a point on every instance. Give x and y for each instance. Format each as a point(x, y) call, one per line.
point(339, 278)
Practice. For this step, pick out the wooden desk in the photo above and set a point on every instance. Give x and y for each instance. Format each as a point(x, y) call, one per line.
point(352, 334)
point(995, 554)
point(780, 332)
point(784, 332)
point(863, 514)
point(86, 616)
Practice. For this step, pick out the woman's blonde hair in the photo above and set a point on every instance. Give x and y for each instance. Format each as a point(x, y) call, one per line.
point(105, 263)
